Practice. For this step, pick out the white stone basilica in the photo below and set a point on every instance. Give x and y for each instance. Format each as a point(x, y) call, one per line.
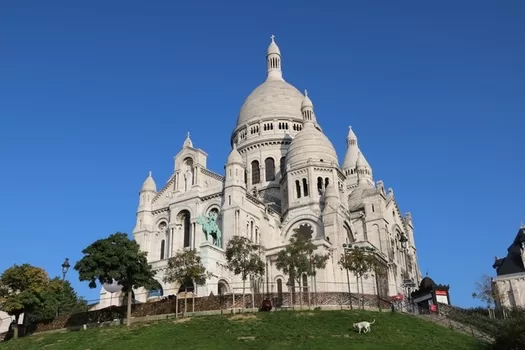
point(282, 174)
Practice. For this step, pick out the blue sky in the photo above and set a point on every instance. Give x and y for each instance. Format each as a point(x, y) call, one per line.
point(95, 94)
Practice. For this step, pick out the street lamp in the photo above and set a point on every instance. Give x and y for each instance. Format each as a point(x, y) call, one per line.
point(407, 282)
point(65, 267)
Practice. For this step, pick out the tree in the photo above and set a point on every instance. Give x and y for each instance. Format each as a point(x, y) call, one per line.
point(58, 297)
point(186, 268)
point(21, 288)
point(487, 292)
point(298, 258)
point(244, 258)
point(360, 263)
point(116, 258)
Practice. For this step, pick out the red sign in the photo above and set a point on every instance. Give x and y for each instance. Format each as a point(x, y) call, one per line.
point(433, 308)
point(441, 292)
point(398, 297)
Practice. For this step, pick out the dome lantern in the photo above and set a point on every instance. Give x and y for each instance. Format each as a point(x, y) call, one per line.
point(273, 61)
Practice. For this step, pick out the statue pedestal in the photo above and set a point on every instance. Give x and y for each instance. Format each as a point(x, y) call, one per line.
point(214, 260)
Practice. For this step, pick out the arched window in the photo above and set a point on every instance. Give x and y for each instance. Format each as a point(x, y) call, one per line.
point(326, 182)
point(256, 173)
point(222, 287)
point(155, 292)
point(186, 228)
point(320, 185)
point(251, 230)
point(305, 187)
point(349, 235)
point(256, 235)
point(280, 288)
point(298, 188)
point(269, 164)
point(283, 165)
point(305, 283)
point(162, 249)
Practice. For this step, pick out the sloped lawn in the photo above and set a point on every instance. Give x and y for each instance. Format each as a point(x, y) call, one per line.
point(276, 330)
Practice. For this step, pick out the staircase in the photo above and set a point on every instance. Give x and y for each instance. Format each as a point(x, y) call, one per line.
point(457, 326)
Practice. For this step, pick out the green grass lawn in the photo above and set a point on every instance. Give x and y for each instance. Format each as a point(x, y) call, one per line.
point(276, 330)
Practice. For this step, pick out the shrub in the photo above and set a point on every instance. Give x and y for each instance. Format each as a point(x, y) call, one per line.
point(511, 335)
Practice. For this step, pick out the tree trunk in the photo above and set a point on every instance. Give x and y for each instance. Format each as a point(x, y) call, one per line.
point(349, 290)
point(185, 300)
point(193, 298)
point(177, 306)
point(300, 293)
point(253, 292)
point(362, 294)
point(15, 329)
point(243, 294)
point(128, 322)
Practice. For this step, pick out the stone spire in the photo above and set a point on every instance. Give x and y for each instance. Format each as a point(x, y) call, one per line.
point(273, 61)
point(352, 152)
point(364, 171)
point(149, 184)
point(187, 142)
point(307, 108)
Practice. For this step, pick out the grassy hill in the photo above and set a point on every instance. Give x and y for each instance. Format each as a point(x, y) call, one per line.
point(276, 330)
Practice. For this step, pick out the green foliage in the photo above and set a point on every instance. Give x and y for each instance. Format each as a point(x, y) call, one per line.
point(359, 262)
point(244, 257)
point(21, 288)
point(115, 258)
point(186, 267)
point(58, 297)
point(265, 330)
point(511, 335)
point(298, 258)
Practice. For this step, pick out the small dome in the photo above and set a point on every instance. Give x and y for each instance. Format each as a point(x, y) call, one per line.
point(273, 48)
point(310, 143)
point(235, 156)
point(273, 98)
point(306, 101)
point(149, 184)
point(427, 282)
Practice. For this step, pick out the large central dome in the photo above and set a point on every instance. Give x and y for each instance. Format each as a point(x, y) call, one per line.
point(273, 98)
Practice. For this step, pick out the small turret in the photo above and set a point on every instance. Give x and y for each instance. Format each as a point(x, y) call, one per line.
point(149, 184)
point(352, 152)
point(364, 171)
point(307, 109)
point(273, 61)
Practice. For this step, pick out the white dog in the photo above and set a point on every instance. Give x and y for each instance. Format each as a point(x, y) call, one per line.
point(364, 325)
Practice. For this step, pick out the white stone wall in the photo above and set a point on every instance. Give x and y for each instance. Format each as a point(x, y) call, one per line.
point(512, 289)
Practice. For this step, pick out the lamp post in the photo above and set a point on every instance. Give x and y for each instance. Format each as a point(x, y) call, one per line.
point(407, 282)
point(65, 268)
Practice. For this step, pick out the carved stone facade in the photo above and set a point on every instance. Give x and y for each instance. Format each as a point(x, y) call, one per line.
point(282, 174)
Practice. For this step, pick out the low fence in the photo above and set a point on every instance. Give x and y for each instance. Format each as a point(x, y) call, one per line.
point(172, 305)
point(481, 320)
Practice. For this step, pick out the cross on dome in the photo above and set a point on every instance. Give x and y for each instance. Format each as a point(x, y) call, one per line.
point(272, 37)
point(187, 142)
